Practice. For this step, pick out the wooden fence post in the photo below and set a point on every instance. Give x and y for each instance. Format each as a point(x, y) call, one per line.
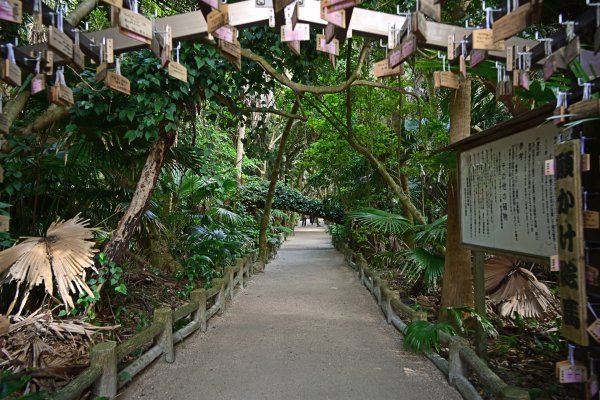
point(220, 300)
point(456, 366)
point(239, 265)
point(165, 315)
point(199, 316)
point(105, 356)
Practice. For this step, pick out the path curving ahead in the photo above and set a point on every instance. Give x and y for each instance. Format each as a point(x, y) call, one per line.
point(305, 329)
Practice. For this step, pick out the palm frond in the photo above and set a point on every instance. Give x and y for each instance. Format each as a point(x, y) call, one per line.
point(381, 220)
point(434, 232)
point(420, 263)
point(226, 216)
point(515, 289)
point(63, 254)
point(423, 335)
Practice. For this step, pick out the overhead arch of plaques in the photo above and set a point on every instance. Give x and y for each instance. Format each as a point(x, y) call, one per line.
point(333, 20)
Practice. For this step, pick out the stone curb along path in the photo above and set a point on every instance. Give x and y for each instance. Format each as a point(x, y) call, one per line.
point(306, 329)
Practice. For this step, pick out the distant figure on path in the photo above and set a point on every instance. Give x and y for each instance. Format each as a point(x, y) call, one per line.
point(304, 218)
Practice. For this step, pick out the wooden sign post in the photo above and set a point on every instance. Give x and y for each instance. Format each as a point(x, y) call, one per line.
point(570, 241)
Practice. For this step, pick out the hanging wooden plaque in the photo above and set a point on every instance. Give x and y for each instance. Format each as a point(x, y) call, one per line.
point(4, 125)
point(10, 73)
point(78, 59)
point(431, 9)
point(60, 42)
point(109, 52)
point(294, 45)
point(232, 49)
point(584, 108)
point(569, 233)
point(177, 71)
point(516, 21)
point(382, 69)
point(11, 11)
point(343, 5)
point(409, 47)
point(118, 83)
point(451, 49)
point(49, 67)
point(332, 47)
point(216, 19)
point(510, 58)
point(4, 223)
point(394, 57)
point(114, 3)
point(135, 26)
point(483, 39)
point(477, 57)
point(61, 95)
point(445, 79)
point(38, 84)
point(337, 18)
point(572, 50)
point(301, 32)
point(101, 71)
point(227, 33)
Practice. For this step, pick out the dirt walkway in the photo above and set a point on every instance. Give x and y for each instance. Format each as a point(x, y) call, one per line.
point(305, 329)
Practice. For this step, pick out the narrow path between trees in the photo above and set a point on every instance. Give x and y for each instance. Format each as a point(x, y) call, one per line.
point(305, 329)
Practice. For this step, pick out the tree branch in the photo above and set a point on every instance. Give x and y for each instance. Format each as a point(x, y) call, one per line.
point(380, 85)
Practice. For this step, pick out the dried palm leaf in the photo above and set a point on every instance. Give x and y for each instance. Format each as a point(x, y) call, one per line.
point(515, 289)
point(64, 253)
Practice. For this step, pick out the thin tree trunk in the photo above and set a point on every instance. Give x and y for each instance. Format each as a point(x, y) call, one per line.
point(264, 223)
point(457, 285)
point(116, 247)
point(239, 155)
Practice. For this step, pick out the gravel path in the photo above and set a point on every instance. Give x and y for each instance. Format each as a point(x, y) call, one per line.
point(305, 329)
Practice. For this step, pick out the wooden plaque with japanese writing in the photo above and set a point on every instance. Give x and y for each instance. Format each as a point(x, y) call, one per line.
point(227, 33)
point(135, 26)
point(332, 47)
point(569, 233)
point(299, 33)
point(118, 83)
point(10, 73)
point(78, 59)
point(215, 20)
point(513, 23)
point(483, 39)
point(114, 3)
point(177, 71)
point(60, 42)
point(445, 79)
point(382, 69)
point(109, 52)
point(477, 57)
point(294, 45)
point(49, 68)
point(12, 11)
point(232, 49)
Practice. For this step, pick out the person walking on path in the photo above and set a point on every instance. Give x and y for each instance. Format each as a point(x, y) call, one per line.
point(304, 218)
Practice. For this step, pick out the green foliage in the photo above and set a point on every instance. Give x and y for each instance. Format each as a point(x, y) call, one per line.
point(423, 335)
point(460, 315)
point(380, 220)
point(11, 384)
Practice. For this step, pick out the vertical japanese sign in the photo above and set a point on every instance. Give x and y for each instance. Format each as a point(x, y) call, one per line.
point(569, 231)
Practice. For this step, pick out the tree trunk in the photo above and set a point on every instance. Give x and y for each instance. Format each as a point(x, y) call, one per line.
point(457, 284)
point(239, 154)
point(115, 248)
point(158, 253)
point(264, 223)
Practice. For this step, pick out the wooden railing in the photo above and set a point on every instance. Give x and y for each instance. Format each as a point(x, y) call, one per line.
point(104, 376)
point(462, 358)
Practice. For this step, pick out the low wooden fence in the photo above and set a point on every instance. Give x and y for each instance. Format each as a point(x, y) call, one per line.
point(104, 375)
point(462, 358)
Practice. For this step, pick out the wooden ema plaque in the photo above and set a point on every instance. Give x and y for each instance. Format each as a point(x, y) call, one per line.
point(382, 69)
point(217, 18)
point(337, 5)
point(431, 8)
point(10, 73)
point(332, 47)
point(101, 71)
point(569, 233)
point(233, 52)
point(78, 59)
point(4, 125)
point(409, 47)
point(301, 32)
point(118, 83)
point(517, 21)
point(135, 26)
point(584, 108)
point(418, 26)
point(227, 33)
point(62, 96)
point(294, 45)
point(38, 84)
point(114, 3)
point(11, 11)
point(445, 79)
point(60, 42)
point(477, 57)
point(483, 39)
point(49, 67)
point(337, 18)
point(177, 71)
point(394, 57)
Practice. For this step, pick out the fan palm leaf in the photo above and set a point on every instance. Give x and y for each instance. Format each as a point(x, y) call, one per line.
point(63, 254)
point(381, 220)
point(515, 289)
point(434, 232)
